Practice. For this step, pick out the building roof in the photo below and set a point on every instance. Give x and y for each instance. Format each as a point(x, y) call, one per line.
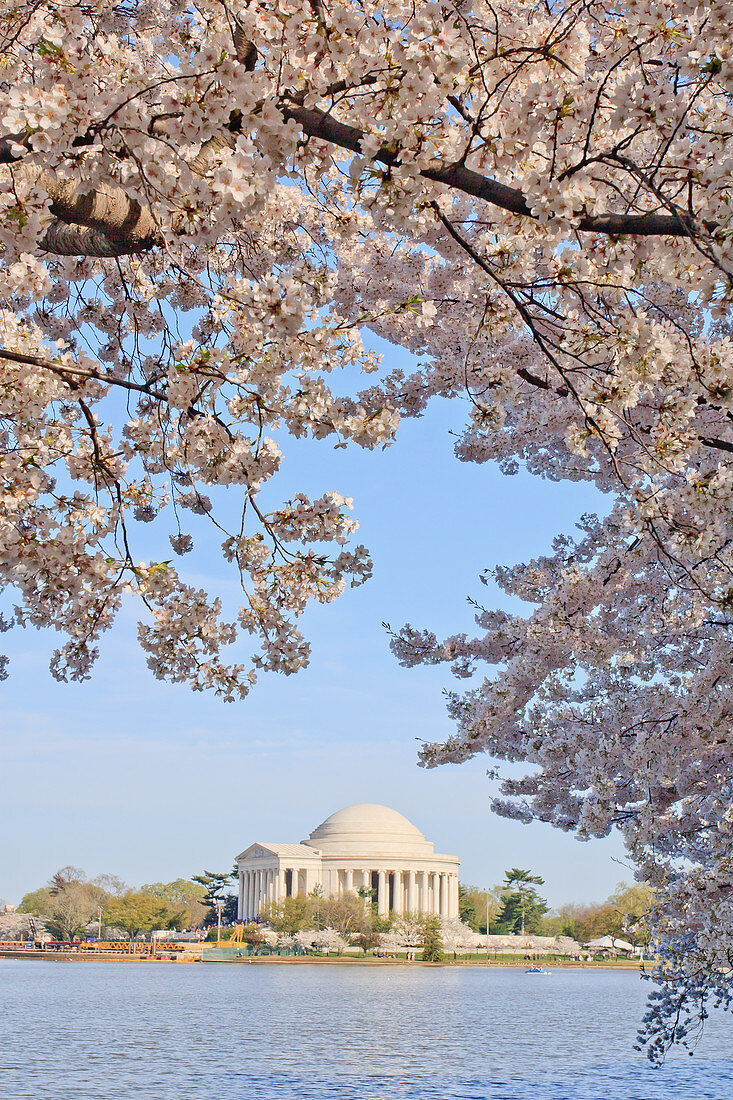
point(367, 818)
point(610, 943)
point(366, 829)
point(299, 851)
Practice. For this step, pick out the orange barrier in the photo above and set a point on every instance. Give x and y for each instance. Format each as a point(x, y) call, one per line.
point(121, 947)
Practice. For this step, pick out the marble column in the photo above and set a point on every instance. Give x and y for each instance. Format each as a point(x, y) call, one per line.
point(411, 907)
point(382, 895)
point(398, 892)
point(423, 903)
point(349, 884)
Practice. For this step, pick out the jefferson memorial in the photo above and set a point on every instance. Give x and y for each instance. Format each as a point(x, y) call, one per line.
point(365, 847)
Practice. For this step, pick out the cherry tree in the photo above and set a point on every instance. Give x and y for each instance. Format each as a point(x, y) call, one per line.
point(328, 940)
point(458, 938)
point(203, 210)
point(406, 930)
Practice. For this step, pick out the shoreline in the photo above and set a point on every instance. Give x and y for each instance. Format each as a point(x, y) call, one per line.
point(310, 960)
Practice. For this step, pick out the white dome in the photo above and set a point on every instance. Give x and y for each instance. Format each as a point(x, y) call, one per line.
point(365, 827)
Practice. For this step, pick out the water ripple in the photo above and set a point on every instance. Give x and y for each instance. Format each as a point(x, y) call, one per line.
point(97, 1031)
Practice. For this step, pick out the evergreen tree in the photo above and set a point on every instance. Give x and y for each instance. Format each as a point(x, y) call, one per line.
point(215, 886)
point(432, 941)
point(522, 908)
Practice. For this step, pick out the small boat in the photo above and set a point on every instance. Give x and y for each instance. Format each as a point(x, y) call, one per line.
point(537, 970)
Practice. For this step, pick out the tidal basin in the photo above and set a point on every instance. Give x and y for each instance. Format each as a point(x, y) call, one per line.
point(97, 1031)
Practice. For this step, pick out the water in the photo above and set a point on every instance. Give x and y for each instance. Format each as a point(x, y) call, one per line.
point(98, 1031)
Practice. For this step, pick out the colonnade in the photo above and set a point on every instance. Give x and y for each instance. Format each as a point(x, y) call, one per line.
point(402, 891)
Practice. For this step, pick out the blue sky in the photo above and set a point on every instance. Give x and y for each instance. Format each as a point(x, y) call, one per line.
point(149, 781)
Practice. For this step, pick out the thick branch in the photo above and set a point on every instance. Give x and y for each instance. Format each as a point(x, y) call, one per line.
point(62, 239)
point(125, 223)
point(718, 444)
point(319, 124)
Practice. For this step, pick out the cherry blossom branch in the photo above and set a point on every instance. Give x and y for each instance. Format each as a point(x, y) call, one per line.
point(122, 226)
point(320, 124)
point(74, 373)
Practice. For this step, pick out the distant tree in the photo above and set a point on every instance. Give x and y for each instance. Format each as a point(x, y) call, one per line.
point(633, 904)
point(407, 929)
point(329, 939)
point(305, 939)
point(110, 884)
point(457, 937)
point(347, 914)
point(184, 898)
point(216, 887)
point(288, 916)
point(623, 915)
point(136, 912)
point(367, 940)
point(70, 910)
point(37, 903)
point(67, 903)
point(66, 876)
point(562, 921)
point(472, 906)
point(594, 921)
point(382, 922)
point(522, 909)
point(432, 941)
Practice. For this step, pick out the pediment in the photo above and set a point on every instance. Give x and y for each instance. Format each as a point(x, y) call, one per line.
point(257, 851)
point(300, 853)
